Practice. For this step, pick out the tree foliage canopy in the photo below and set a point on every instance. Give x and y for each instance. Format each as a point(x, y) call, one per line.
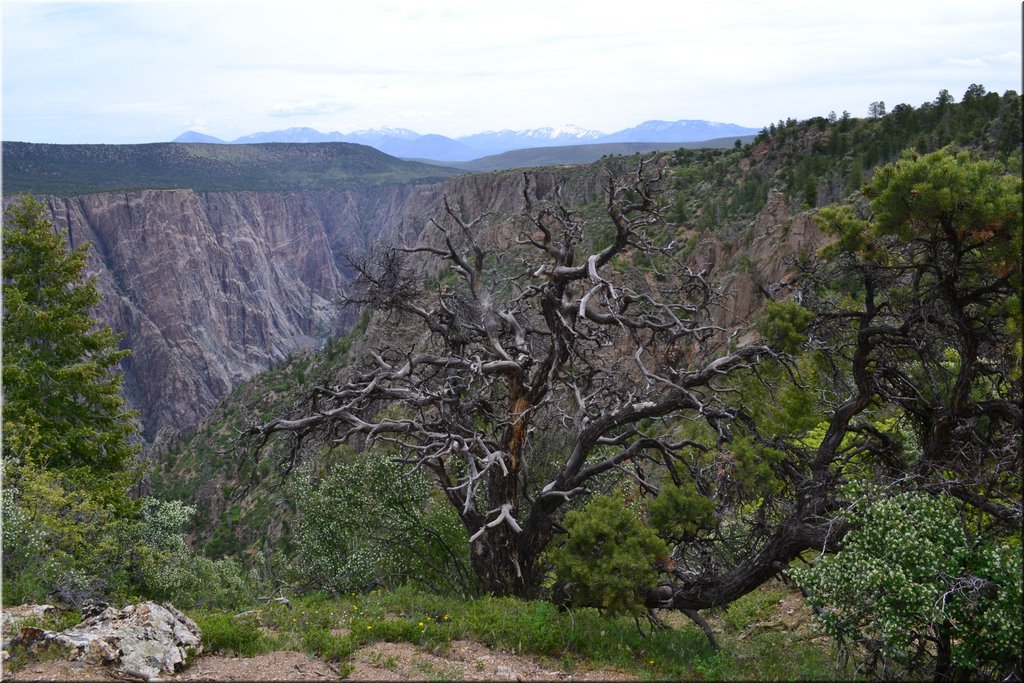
point(71, 530)
point(370, 522)
point(934, 282)
point(68, 456)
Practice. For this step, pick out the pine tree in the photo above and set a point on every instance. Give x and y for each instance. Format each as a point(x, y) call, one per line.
point(63, 407)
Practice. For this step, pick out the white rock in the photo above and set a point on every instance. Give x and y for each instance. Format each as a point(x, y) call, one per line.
point(145, 641)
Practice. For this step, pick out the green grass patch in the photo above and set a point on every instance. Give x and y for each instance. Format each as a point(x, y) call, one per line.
point(753, 608)
point(332, 628)
point(229, 634)
point(530, 627)
point(320, 642)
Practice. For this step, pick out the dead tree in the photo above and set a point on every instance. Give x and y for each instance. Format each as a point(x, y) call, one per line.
point(532, 383)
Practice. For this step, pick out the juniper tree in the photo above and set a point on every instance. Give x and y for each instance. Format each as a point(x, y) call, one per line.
point(545, 368)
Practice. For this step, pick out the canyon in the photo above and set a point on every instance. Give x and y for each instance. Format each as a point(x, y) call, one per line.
point(210, 288)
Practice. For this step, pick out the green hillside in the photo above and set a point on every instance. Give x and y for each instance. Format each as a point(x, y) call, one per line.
point(83, 169)
point(582, 154)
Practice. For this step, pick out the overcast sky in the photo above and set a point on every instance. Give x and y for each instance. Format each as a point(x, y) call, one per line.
point(139, 71)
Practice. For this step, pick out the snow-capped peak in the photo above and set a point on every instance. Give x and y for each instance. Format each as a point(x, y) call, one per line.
point(388, 131)
point(569, 130)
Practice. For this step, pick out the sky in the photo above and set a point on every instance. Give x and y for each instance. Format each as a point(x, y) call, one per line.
point(147, 71)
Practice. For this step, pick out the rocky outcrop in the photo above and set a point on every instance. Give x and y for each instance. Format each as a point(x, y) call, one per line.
point(13, 617)
point(142, 641)
point(766, 259)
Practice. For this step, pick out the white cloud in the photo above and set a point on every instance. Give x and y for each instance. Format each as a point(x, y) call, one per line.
point(970, 62)
point(110, 72)
point(308, 109)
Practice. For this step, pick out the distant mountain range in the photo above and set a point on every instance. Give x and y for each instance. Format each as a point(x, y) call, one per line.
point(407, 144)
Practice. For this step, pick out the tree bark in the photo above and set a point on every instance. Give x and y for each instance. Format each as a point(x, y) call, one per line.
point(505, 562)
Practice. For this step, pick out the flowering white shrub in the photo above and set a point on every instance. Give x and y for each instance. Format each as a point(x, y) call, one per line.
point(916, 586)
point(170, 570)
point(164, 523)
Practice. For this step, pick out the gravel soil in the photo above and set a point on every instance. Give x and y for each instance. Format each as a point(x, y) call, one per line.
point(461, 661)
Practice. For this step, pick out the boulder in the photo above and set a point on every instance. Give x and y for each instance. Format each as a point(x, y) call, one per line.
point(144, 641)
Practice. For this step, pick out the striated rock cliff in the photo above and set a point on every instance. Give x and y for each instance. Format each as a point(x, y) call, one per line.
point(210, 288)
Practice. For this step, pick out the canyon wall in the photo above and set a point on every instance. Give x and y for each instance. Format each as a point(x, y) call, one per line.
point(209, 288)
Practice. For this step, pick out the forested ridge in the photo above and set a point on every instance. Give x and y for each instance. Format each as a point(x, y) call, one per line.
point(797, 360)
point(84, 169)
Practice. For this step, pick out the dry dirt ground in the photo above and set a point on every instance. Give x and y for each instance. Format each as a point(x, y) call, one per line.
point(462, 661)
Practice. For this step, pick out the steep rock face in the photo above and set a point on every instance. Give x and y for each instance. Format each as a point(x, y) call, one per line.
point(210, 288)
point(207, 289)
point(777, 239)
